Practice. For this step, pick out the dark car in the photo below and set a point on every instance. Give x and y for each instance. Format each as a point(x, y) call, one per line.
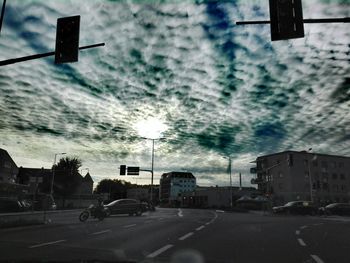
point(126, 206)
point(341, 209)
point(296, 207)
point(8, 205)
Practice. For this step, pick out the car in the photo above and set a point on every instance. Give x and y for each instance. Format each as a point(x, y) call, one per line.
point(126, 206)
point(340, 209)
point(9, 205)
point(296, 207)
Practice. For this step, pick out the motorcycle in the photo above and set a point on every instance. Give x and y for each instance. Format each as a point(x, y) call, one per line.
point(99, 212)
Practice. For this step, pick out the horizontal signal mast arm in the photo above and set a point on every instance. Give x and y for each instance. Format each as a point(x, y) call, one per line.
point(17, 60)
point(309, 21)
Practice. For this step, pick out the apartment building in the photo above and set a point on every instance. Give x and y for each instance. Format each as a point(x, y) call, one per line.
point(174, 184)
point(292, 175)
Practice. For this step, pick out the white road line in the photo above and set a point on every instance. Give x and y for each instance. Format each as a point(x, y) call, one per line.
point(180, 214)
point(48, 243)
point(148, 221)
point(297, 232)
point(101, 232)
point(200, 228)
point(161, 218)
point(207, 223)
point(301, 242)
point(317, 258)
point(220, 211)
point(186, 236)
point(303, 227)
point(127, 226)
point(159, 251)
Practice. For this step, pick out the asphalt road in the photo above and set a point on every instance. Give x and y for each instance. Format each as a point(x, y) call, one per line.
point(183, 235)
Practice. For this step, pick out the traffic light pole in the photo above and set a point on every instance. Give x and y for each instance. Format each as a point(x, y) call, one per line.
point(307, 21)
point(2, 13)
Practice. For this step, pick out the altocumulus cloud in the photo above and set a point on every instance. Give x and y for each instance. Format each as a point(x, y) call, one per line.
point(221, 90)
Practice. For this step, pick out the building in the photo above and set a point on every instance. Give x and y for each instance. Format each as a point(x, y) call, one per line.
point(86, 185)
point(292, 175)
point(174, 184)
point(139, 193)
point(8, 168)
point(216, 197)
point(8, 177)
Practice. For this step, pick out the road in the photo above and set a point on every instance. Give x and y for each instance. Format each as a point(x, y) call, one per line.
point(183, 235)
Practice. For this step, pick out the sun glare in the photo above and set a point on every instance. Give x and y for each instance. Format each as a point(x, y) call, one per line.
point(151, 128)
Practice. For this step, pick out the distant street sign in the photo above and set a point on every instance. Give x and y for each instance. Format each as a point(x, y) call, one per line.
point(133, 170)
point(122, 169)
point(67, 39)
point(286, 19)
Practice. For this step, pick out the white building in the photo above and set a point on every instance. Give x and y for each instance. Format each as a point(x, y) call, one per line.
point(174, 184)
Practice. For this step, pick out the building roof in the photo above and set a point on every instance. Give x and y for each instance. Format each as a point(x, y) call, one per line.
point(4, 155)
point(87, 178)
point(178, 175)
point(302, 152)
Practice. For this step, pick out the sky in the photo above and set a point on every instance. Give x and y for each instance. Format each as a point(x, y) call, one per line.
point(179, 70)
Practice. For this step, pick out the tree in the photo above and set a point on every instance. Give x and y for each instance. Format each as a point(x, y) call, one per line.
point(115, 188)
point(67, 177)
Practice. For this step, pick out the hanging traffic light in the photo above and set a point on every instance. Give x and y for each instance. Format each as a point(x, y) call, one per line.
point(123, 170)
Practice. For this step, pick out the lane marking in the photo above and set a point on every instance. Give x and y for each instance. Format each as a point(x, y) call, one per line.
point(297, 232)
point(48, 243)
point(200, 228)
point(317, 258)
point(318, 224)
point(159, 251)
point(303, 227)
point(301, 242)
point(148, 221)
point(186, 236)
point(180, 214)
point(101, 232)
point(161, 218)
point(127, 226)
point(219, 211)
point(207, 223)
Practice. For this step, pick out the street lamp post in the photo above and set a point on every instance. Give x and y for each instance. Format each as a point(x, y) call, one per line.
point(152, 171)
point(310, 179)
point(230, 171)
point(53, 172)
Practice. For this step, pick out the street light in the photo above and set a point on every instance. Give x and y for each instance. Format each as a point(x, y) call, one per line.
point(309, 171)
point(229, 166)
point(53, 172)
point(152, 164)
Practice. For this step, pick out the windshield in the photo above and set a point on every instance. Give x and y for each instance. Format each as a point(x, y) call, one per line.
point(229, 119)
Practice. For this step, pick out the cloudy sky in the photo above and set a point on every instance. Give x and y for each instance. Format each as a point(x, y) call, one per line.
point(215, 89)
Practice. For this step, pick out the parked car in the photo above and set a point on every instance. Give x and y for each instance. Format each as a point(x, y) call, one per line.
point(8, 205)
point(296, 207)
point(126, 206)
point(340, 209)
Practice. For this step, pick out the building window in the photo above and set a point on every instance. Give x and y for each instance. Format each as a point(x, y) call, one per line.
point(306, 162)
point(343, 188)
point(315, 163)
point(341, 165)
point(324, 164)
point(333, 164)
point(280, 186)
point(342, 177)
point(306, 175)
point(335, 188)
point(334, 176)
point(325, 186)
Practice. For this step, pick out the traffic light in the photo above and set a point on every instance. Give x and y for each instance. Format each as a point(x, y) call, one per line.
point(123, 170)
point(67, 39)
point(286, 19)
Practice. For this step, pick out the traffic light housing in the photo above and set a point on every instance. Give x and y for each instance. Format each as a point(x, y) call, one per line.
point(67, 39)
point(123, 170)
point(286, 19)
